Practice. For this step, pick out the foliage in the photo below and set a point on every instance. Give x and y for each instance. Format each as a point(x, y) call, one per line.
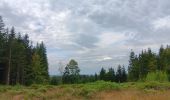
point(22, 62)
point(157, 76)
point(121, 75)
point(149, 62)
point(102, 74)
point(110, 75)
point(85, 91)
point(71, 73)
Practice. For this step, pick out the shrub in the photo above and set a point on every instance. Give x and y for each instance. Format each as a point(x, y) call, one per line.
point(157, 76)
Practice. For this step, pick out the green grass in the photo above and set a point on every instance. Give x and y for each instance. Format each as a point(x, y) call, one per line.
point(28, 92)
point(147, 85)
point(88, 89)
point(85, 91)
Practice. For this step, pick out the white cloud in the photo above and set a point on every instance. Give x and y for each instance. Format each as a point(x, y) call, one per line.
point(111, 38)
point(107, 58)
point(162, 23)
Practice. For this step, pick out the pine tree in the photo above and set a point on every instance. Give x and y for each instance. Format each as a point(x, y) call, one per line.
point(102, 74)
point(119, 74)
point(152, 63)
point(132, 67)
point(124, 74)
point(44, 60)
point(3, 57)
point(20, 59)
point(11, 45)
point(96, 77)
point(28, 74)
point(37, 69)
point(161, 59)
point(110, 75)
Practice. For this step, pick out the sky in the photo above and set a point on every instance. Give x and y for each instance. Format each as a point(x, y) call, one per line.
point(96, 33)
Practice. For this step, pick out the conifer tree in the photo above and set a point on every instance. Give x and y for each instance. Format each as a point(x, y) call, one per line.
point(119, 74)
point(20, 59)
point(110, 75)
point(124, 74)
point(37, 69)
point(102, 74)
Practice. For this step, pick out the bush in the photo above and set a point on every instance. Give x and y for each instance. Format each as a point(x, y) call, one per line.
point(157, 76)
point(88, 89)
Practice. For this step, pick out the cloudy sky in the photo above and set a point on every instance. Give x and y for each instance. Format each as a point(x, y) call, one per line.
point(96, 33)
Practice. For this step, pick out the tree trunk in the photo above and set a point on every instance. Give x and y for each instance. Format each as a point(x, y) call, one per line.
point(8, 68)
point(18, 75)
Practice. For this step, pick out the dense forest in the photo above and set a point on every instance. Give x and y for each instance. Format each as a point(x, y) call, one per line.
point(23, 63)
point(20, 61)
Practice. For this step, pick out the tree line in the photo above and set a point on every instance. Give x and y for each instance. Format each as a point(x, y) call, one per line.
point(71, 75)
point(141, 67)
point(147, 62)
point(20, 61)
point(23, 63)
point(119, 76)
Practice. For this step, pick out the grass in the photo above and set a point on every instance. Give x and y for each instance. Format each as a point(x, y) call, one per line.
point(95, 90)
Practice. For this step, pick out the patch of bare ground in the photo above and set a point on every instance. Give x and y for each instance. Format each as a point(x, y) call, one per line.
point(18, 97)
point(132, 95)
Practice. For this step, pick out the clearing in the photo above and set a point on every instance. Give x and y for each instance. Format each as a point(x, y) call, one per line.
point(90, 91)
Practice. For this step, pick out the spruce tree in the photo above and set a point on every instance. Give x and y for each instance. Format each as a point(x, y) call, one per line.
point(20, 59)
point(124, 74)
point(102, 74)
point(37, 69)
point(110, 75)
point(96, 77)
point(119, 74)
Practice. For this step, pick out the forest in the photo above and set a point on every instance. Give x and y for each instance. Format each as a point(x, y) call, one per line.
point(20, 61)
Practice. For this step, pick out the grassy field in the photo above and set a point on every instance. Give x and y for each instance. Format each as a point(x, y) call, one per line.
point(90, 91)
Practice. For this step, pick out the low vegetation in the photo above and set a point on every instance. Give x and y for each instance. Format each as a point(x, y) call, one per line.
point(80, 91)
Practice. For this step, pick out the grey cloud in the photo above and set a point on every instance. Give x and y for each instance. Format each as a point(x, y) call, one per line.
point(75, 34)
point(86, 40)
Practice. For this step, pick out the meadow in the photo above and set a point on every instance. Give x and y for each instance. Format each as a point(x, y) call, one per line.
point(99, 90)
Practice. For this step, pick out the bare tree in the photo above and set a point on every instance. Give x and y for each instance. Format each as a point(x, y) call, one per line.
point(61, 67)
